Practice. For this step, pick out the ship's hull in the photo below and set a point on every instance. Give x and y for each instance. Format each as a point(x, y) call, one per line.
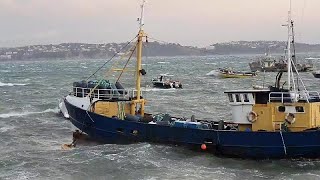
point(165, 86)
point(243, 144)
point(224, 75)
point(316, 75)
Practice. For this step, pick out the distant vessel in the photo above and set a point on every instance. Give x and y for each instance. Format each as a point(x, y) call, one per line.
point(273, 64)
point(316, 74)
point(165, 81)
point(229, 73)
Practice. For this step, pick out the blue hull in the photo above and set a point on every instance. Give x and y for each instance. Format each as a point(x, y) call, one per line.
point(257, 145)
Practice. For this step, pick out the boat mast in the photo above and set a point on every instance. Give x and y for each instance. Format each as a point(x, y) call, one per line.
point(289, 56)
point(141, 34)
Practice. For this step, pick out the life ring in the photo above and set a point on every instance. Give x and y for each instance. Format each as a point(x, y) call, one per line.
point(252, 116)
point(290, 118)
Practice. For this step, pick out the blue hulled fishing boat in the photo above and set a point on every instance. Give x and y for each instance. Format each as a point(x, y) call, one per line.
point(280, 122)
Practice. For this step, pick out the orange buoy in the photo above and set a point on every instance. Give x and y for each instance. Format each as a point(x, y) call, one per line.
point(203, 146)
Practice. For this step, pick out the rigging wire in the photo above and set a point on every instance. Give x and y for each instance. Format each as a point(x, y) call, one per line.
point(92, 90)
point(127, 62)
point(111, 58)
point(132, 48)
point(95, 87)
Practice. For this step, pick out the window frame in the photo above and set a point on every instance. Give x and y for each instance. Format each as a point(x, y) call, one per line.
point(238, 98)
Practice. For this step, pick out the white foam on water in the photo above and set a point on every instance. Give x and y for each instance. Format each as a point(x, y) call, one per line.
point(213, 73)
point(19, 114)
point(158, 89)
point(7, 128)
point(211, 63)
point(11, 84)
point(163, 62)
point(26, 175)
point(54, 110)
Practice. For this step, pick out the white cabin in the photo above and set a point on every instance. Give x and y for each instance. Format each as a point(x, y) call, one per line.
point(242, 101)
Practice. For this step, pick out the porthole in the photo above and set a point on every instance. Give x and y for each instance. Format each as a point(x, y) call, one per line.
point(299, 109)
point(281, 108)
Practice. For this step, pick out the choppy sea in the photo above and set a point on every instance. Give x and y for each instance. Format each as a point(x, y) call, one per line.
point(32, 130)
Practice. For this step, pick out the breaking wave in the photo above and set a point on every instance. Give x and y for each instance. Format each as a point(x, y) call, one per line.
point(19, 114)
point(159, 89)
point(213, 73)
point(11, 84)
point(211, 63)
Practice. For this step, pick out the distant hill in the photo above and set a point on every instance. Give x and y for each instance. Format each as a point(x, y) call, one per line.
point(259, 47)
point(92, 51)
point(84, 50)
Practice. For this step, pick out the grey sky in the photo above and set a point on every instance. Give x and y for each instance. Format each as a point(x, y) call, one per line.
point(189, 22)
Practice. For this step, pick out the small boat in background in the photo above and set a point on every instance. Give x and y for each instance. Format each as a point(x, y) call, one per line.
point(165, 81)
point(316, 74)
point(275, 64)
point(229, 73)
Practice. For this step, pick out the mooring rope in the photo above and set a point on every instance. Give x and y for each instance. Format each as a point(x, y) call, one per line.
point(112, 57)
point(89, 116)
point(284, 145)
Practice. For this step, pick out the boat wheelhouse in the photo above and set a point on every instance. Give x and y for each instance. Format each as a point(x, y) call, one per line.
point(269, 110)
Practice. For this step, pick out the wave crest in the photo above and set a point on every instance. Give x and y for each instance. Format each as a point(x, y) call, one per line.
point(19, 114)
point(213, 73)
point(11, 84)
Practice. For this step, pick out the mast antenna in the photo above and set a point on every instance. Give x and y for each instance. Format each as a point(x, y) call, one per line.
point(289, 56)
point(141, 19)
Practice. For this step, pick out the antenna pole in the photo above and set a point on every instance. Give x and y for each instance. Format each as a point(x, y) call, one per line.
point(141, 19)
point(289, 57)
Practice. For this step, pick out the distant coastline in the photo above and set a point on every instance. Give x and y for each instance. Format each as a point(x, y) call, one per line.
point(95, 51)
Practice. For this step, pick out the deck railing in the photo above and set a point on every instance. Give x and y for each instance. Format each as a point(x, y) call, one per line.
point(121, 94)
point(287, 97)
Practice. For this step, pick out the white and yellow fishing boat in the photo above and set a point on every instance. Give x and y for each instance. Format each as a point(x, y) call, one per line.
point(229, 73)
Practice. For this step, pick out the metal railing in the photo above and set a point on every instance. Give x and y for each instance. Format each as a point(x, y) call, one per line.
point(287, 97)
point(121, 94)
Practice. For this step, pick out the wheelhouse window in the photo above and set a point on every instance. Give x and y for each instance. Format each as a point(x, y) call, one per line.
point(238, 98)
point(230, 97)
point(245, 98)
